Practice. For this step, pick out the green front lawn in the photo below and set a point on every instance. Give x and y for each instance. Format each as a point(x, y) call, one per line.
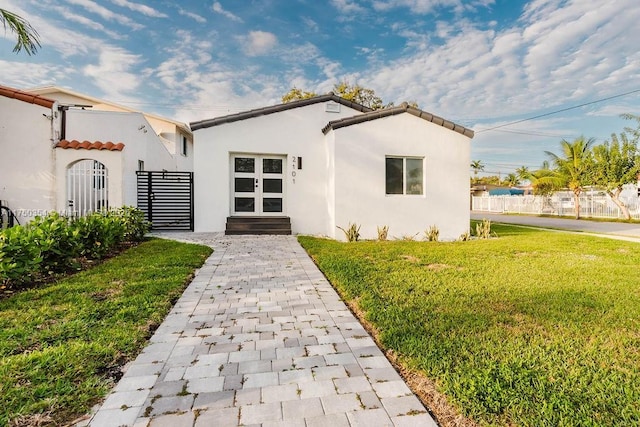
point(534, 328)
point(62, 343)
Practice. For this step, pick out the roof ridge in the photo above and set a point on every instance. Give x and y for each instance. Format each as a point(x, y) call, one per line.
point(276, 109)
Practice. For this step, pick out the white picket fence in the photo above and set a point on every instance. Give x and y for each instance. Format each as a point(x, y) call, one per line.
point(594, 206)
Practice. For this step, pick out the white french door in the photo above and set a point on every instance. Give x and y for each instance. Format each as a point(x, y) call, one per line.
point(257, 185)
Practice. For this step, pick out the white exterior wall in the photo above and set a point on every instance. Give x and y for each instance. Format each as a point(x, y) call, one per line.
point(292, 133)
point(27, 176)
point(118, 127)
point(360, 152)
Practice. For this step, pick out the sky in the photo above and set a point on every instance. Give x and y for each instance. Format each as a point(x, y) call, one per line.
point(479, 63)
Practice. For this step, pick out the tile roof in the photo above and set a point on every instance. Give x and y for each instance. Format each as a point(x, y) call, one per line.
point(86, 145)
point(276, 109)
point(404, 108)
point(20, 95)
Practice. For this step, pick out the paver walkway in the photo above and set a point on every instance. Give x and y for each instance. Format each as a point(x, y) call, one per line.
point(260, 338)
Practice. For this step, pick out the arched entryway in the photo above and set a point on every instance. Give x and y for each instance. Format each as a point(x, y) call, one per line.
point(87, 187)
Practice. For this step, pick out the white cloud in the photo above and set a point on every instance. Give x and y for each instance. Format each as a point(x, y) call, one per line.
point(22, 75)
point(83, 20)
point(423, 7)
point(347, 6)
point(258, 42)
point(113, 73)
point(311, 24)
point(217, 7)
point(192, 15)
point(137, 7)
point(554, 55)
point(105, 13)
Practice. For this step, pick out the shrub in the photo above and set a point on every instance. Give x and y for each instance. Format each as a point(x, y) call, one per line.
point(20, 255)
point(99, 233)
point(135, 226)
point(383, 233)
point(466, 236)
point(352, 233)
point(58, 239)
point(432, 233)
point(408, 237)
point(483, 229)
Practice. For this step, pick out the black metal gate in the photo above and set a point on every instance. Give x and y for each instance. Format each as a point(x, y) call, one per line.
point(166, 198)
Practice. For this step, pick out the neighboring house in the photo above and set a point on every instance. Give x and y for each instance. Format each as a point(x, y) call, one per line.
point(174, 135)
point(73, 153)
point(327, 162)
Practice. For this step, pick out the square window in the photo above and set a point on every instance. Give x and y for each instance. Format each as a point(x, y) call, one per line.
point(404, 175)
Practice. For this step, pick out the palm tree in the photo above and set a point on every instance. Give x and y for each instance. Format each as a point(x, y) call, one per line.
point(523, 173)
point(477, 166)
point(573, 166)
point(27, 36)
point(512, 180)
point(616, 163)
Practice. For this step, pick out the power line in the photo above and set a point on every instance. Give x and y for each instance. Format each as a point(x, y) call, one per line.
point(559, 111)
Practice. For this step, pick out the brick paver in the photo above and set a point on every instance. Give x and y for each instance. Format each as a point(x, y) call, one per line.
point(260, 338)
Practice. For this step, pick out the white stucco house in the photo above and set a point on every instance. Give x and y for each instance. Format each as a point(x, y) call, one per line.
point(69, 152)
point(326, 162)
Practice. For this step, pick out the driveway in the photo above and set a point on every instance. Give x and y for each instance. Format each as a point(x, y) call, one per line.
point(609, 229)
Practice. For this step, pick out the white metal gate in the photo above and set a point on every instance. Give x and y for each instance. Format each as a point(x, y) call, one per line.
point(87, 187)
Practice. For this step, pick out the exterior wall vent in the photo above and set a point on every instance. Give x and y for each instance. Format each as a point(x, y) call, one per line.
point(332, 107)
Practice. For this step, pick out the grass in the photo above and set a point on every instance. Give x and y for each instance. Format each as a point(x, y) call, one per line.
point(62, 344)
point(534, 328)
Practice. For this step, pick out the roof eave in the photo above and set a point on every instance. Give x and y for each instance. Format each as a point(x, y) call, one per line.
point(23, 96)
point(404, 108)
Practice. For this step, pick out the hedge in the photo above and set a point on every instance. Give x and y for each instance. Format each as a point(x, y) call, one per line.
point(56, 243)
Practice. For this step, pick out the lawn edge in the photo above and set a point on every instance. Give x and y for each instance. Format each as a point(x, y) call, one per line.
point(437, 403)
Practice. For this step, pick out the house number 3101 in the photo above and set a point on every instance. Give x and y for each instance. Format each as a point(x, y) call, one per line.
point(293, 172)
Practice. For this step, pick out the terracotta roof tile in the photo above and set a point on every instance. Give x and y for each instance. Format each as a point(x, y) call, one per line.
point(10, 92)
point(86, 145)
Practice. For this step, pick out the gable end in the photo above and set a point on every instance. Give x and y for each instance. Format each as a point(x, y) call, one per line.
point(404, 108)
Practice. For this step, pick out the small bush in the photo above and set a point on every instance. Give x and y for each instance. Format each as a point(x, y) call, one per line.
point(352, 233)
point(432, 233)
point(466, 236)
point(408, 237)
point(383, 233)
point(483, 229)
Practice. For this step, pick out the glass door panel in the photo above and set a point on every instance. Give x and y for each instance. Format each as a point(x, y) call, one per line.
point(272, 183)
point(244, 185)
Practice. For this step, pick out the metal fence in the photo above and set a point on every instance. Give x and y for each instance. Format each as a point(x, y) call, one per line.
point(594, 206)
point(166, 198)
